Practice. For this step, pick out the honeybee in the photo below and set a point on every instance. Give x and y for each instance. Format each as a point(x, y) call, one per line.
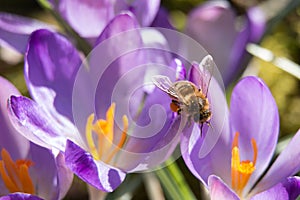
point(187, 98)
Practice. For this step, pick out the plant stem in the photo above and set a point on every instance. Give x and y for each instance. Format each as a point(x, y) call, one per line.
point(173, 181)
point(179, 178)
point(168, 184)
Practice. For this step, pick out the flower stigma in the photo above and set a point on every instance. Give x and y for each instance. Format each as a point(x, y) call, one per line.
point(241, 170)
point(15, 175)
point(104, 132)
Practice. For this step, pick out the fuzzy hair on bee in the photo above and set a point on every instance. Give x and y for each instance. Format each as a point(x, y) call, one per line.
point(187, 98)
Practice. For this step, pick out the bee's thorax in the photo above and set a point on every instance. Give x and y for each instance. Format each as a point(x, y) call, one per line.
point(195, 105)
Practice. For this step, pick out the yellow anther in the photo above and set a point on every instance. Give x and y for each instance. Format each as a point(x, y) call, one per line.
point(108, 127)
point(104, 132)
point(89, 137)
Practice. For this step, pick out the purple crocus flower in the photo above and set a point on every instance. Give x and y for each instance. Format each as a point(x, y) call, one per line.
point(27, 171)
point(99, 134)
point(225, 35)
point(236, 166)
point(15, 30)
point(89, 18)
point(162, 19)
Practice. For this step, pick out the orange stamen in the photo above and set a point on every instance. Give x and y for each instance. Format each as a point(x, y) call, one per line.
point(241, 171)
point(255, 150)
point(6, 179)
point(104, 131)
point(124, 133)
point(25, 178)
point(15, 175)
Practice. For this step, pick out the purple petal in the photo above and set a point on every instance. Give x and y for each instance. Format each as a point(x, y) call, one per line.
point(202, 73)
point(237, 60)
point(87, 17)
point(51, 64)
point(115, 73)
point(190, 145)
point(289, 188)
point(65, 175)
point(121, 41)
point(157, 57)
point(43, 172)
point(36, 124)
point(180, 69)
point(20, 196)
point(194, 75)
point(217, 161)
point(257, 23)
point(162, 19)
point(152, 125)
point(145, 11)
point(219, 190)
point(152, 139)
point(11, 139)
point(15, 30)
point(50, 175)
point(292, 186)
point(209, 24)
point(210, 152)
point(120, 23)
point(96, 173)
point(254, 114)
point(150, 142)
point(284, 166)
point(251, 32)
point(278, 192)
point(147, 153)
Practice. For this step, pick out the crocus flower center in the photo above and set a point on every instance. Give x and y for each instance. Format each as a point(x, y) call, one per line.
point(15, 175)
point(241, 170)
point(102, 132)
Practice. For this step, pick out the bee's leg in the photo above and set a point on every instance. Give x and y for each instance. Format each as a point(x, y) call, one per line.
point(201, 128)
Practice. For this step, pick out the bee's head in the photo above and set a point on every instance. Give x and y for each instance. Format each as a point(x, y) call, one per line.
point(202, 116)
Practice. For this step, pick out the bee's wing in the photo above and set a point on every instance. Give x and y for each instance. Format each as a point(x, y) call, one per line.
point(165, 84)
point(206, 67)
